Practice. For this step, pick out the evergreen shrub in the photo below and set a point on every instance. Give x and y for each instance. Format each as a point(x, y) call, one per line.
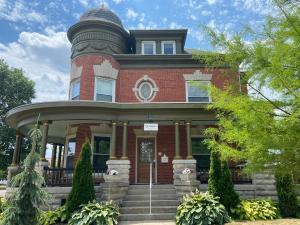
point(287, 198)
point(82, 186)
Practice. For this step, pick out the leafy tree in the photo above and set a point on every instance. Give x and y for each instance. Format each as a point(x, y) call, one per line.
point(287, 198)
point(15, 90)
point(83, 186)
point(25, 201)
point(258, 127)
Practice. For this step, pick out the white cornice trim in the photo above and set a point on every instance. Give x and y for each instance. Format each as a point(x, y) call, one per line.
point(197, 75)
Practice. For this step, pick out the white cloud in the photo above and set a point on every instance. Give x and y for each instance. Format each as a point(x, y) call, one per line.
point(131, 14)
point(211, 2)
point(84, 3)
point(174, 25)
point(118, 1)
point(193, 17)
point(17, 11)
point(44, 59)
point(205, 13)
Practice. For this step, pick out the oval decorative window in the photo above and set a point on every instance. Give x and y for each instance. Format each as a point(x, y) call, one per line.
point(145, 89)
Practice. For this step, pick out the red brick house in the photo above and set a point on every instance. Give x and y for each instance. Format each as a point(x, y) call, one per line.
point(137, 95)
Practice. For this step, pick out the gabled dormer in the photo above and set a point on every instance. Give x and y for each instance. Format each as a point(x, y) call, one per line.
point(158, 42)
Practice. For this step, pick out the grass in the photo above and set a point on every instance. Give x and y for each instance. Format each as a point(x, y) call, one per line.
point(268, 222)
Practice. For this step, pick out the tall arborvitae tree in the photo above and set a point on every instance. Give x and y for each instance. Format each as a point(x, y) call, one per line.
point(215, 174)
point(27, 196)
point(287, 197)
point(83, 186)
point(229, 198)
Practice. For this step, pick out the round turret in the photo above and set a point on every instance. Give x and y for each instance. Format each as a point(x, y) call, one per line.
point(98, 31)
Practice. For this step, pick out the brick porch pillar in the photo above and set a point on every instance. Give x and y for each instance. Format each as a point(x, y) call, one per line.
point(124, 149)
point(17, 149)
point(53, 158)
point(113, 141)
point(44, 141)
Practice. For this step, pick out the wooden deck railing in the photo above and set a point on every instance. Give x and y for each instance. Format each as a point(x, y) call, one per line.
point(236, 175)
point(64, 177)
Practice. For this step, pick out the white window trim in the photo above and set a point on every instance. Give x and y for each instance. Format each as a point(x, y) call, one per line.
point(92, 143)
point(187, 93)
point(71, 88)
point(113, 88)
point(168, 42)
point(149, 42)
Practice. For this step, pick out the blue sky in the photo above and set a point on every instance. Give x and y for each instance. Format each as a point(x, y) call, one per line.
point(33, 32)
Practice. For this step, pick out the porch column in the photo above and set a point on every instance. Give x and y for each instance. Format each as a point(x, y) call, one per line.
point(113, 141)
point(53, 158)
point(17, 149)
point(44, 141)
point(177, 141)
point(59, 156)
point(188, 141)
point(124, 150)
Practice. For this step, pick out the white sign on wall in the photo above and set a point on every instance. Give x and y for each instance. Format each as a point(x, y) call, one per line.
point(150, 127)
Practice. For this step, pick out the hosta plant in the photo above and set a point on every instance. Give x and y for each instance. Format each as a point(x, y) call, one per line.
point(256, 210)
point(53, 217)
point(95, 213)
point(201, 209)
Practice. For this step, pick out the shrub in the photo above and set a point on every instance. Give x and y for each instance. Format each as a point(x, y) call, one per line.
point(287, 198)
point(53, 217)
point(104, 213)
point(201, 209)
point(256, 210)
point(28, 197)
point(215, 175)
point(83, 186)
point(229, 198)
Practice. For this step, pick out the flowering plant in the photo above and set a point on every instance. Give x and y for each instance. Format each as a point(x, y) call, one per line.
point(113, 172)
point(186, 171)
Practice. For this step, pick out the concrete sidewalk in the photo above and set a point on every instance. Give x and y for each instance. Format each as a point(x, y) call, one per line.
point(157, 222)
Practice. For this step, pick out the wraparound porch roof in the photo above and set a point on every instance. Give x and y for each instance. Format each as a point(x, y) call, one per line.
point(63, 113)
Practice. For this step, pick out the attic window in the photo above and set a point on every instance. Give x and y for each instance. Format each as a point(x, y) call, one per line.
point(148, 47)
point(168, 47)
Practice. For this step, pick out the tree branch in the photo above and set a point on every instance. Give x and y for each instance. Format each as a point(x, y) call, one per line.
point(269, 100)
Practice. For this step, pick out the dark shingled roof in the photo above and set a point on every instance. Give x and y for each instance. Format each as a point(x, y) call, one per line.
point(102, 14)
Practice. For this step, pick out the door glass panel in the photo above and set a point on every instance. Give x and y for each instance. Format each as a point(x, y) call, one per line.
point(146, 151)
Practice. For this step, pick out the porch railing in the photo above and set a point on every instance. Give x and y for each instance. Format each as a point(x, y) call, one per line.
point(236, 174)
point(64, 177)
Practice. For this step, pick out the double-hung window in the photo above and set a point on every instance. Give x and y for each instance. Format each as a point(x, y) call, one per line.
point(202, 155)
point(168, 47)
point(148, 48)
point(101, 152)
point(105, 90)
point(198, 91)
point(75, 90)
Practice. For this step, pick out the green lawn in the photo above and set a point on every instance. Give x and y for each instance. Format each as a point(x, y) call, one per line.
point(268, 222)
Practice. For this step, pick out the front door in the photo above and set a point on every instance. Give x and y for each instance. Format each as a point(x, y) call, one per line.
point(145, 154)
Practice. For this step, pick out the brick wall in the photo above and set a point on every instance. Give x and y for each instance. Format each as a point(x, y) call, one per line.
point(167, 80)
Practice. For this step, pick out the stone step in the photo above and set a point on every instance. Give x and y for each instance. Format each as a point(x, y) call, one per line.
point(145, 210)
point(143, 217)
point(135, 203)
point(147, 191)
point(154, 186)
point(153, 197)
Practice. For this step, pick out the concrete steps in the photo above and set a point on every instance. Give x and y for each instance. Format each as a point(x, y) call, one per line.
point(136, 205)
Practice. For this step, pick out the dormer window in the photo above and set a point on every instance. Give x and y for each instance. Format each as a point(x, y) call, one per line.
point(148, 48)
point(75, 90)
point(168, 47)
point(105, 90)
